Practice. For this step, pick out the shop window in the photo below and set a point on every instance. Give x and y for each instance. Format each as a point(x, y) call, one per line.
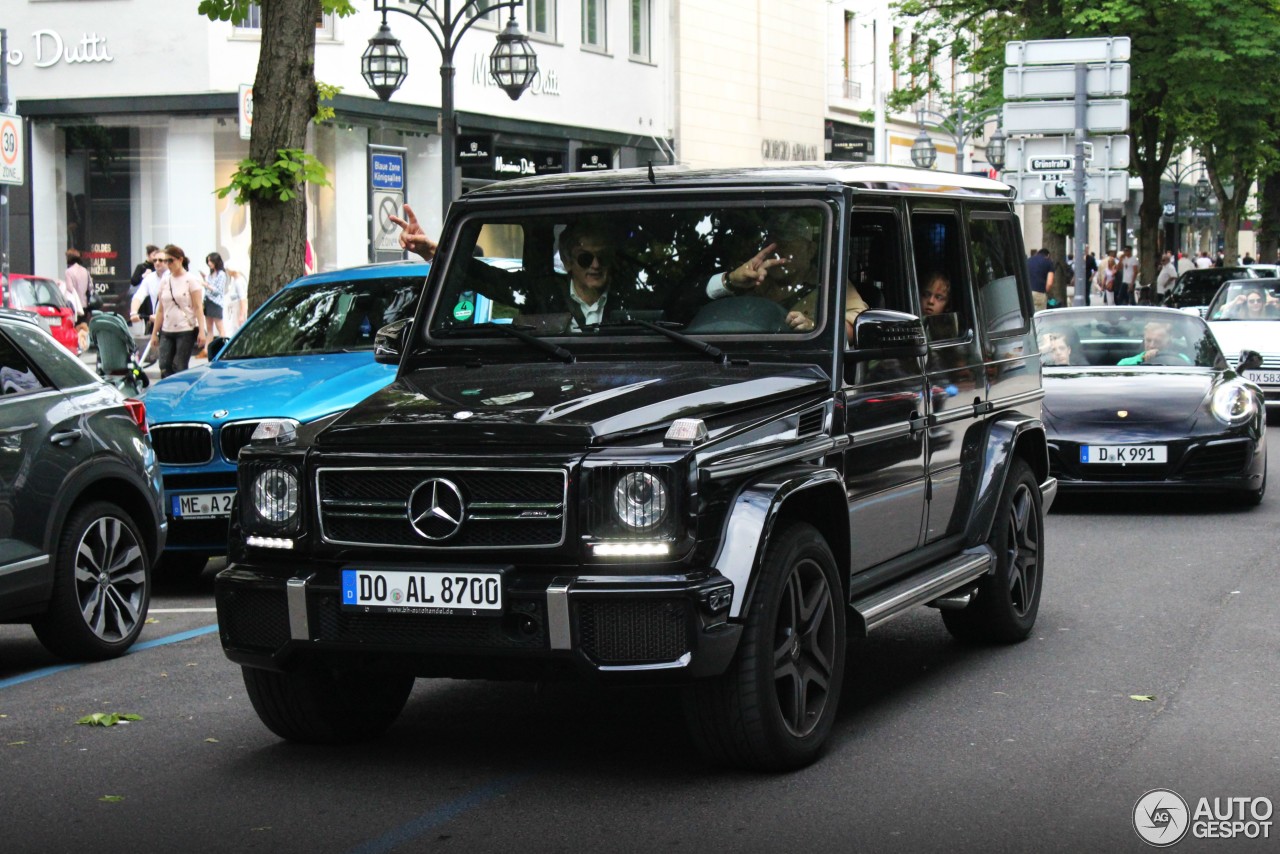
point(542, 18)
point(593, 25)
point(251, 23)
point(641, 22)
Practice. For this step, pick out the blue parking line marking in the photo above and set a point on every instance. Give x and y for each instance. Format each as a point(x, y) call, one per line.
point(138, 647)
point(446, 812)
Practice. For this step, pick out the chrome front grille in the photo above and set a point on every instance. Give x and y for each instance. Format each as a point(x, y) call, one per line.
point(498, 508)
point(234, 436)
point(183, 444)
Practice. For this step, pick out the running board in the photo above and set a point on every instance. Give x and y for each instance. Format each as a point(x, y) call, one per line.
point(932, 583)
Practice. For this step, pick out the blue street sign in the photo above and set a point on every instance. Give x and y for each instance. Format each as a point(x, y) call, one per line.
point(386, 171)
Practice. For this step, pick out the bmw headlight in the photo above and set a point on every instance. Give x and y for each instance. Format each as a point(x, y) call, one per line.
point(1233, 404)
point(640, 500)
point(275, 495)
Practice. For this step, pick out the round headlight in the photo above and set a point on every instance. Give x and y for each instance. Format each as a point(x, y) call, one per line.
point(1233, 404)
point(640, 500)
point(275, 495)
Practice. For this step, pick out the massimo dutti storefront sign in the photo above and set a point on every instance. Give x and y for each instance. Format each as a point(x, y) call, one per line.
point(513, 162)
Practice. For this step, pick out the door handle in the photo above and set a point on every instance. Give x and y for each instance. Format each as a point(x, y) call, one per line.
point(65, 437)
point(917, 422)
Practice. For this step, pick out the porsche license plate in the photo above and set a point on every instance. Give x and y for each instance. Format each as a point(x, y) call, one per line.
point(402, 591)
point(1263, 377)
point(1124, 454)
point(201, 505)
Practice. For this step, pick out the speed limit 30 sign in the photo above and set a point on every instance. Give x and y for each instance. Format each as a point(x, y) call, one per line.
point(10, 149)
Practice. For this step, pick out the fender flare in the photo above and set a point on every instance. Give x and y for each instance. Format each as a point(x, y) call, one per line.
point(753, 514)
point(83, 478)
point(1009, 436)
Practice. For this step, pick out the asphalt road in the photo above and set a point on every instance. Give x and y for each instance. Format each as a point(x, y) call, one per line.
point(1034, 747)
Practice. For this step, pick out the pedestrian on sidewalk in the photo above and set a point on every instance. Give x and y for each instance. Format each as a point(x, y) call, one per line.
point(179, 319)
point(214, 295)
point(1040, 276)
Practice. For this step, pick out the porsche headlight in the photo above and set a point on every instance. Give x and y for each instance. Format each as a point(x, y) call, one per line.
point(1233, 404)
point(275, 495)
point(640, 500)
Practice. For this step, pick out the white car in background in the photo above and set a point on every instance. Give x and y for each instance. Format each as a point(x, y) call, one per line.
point(1245, 316)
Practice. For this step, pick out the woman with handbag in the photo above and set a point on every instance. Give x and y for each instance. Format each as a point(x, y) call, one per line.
point(179, 318)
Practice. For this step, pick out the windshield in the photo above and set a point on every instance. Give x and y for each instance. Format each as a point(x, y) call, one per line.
point(1256, 299)
point(1125, 338)
point(328, 318)
point(28, 293)
point(731, 270)
point(1203, 284)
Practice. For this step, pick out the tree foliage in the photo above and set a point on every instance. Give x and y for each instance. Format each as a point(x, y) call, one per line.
point(1198, 75)
point(286, 97)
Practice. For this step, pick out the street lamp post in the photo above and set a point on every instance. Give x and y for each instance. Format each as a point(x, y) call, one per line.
point(1181, 170)
point(384, 65)
point(960, 126)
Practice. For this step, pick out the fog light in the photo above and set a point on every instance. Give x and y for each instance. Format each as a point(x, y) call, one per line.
point(268, 542)
point(630, 549)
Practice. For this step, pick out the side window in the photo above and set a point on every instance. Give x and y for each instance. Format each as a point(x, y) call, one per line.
point(940, 275)
point(875, 263)
point(17, 376)
point(995, 259)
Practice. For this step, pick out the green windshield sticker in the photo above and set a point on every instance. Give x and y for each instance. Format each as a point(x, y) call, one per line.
point(463, 310)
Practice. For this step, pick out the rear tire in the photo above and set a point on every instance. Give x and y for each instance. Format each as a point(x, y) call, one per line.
point(323, 706)
point(101, 586)
point(1008, 600)
point(774, 708)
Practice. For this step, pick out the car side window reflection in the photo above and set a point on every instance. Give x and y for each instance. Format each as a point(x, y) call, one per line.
point(940, 275)
point(17, 376)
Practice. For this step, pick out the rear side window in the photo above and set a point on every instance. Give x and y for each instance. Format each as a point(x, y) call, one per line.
point(17, 375)
point(940, 275)
point(47, 357)
point(996, 260)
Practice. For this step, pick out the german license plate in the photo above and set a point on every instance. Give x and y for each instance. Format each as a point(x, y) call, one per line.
point(1263, 377)
point(201, 505)
point(405, 591)
point(1123, 454)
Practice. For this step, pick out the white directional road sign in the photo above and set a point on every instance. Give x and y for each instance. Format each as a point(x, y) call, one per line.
point(1059, 188)
point(1109, 152)
point(1102, 116)
point(1059, 81)
point(11, 156)
point(1054, 51)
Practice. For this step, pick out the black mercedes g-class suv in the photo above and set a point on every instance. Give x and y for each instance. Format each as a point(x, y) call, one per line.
point(661, 426)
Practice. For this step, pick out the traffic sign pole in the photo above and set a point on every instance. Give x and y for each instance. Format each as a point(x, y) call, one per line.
point(4, 188)
point(1082, 207)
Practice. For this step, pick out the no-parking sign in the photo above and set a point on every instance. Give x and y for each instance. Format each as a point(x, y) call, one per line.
point(11, 155)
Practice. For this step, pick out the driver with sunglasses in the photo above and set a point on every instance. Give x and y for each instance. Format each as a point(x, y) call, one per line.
point(587, 253)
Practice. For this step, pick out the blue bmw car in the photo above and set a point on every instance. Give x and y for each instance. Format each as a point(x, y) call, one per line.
point(307, 353)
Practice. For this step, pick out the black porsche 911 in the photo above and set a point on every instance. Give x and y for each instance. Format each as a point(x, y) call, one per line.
point(1143, 398)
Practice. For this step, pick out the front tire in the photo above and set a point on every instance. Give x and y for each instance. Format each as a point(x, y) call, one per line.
point(323, 706)
point(101, 586)
point(775, 706)
point(1008, 599)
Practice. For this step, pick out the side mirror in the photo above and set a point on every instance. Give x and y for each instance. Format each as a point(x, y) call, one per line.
point(389, 341)
point(1250, 360)
point(882, 334)
point(214, 347)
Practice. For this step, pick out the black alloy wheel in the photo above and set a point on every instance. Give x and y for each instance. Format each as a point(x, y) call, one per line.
point(774, 708)
point(1008, 599)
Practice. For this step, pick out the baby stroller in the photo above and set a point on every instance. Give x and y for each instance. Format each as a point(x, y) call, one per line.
point(111, 335)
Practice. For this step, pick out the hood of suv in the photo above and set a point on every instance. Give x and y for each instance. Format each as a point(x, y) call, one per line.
point(304, 387)
point(580, 404)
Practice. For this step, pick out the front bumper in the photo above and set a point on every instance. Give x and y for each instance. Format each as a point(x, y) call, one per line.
point(663, 628)
point(1213, 463)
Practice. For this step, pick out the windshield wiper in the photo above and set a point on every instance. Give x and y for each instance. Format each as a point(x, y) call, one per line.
point(688, 340)
point(520, 332)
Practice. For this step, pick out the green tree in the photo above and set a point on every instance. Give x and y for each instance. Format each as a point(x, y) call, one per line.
point(285, 97)
point(1188, 65)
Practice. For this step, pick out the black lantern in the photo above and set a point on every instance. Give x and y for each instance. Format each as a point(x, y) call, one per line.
point(1202, 188)
point(513, 64)
point(384, 65)
point(996, 149)
point(923, 153)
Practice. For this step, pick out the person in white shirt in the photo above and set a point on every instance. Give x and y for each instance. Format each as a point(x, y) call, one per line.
point(1167, 276)
point(1204, 261)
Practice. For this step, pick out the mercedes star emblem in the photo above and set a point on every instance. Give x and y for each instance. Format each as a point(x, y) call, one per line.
point(436, 509)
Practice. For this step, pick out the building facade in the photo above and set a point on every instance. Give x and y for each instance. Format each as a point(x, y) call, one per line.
point(134, 116)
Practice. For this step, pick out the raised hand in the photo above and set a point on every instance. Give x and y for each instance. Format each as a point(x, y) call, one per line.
point(412, 237)
point(753, 273)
